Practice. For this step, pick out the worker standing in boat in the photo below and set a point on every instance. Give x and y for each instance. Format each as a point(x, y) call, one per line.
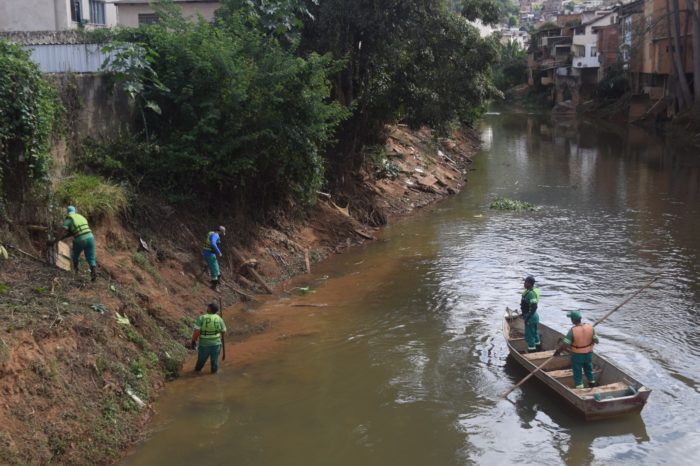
point(528, 310)
point(580, 341)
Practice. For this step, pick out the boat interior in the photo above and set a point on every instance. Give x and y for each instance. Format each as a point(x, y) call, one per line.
point(611, 381)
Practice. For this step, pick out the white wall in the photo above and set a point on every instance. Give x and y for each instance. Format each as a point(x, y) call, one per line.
point(128, 14)
point(46, 15)
point(28, 15)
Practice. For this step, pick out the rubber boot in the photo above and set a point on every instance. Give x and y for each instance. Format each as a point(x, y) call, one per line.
point(93, 274)
point(538, 347)
point(592, 384)
point(215, 285)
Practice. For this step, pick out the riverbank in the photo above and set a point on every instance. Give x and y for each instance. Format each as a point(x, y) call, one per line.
point(81, 363)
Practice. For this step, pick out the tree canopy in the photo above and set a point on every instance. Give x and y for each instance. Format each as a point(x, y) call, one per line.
point(251, 105)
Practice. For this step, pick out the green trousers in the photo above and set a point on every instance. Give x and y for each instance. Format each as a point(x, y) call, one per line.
point(582, 363)
point(214, 271)
point(207, 352)
point(532, 338)
point(86, 244)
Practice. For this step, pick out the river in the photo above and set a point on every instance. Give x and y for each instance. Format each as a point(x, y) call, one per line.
point(406, 363)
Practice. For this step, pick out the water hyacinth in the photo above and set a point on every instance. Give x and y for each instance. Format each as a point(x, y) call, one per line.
point(503, 203)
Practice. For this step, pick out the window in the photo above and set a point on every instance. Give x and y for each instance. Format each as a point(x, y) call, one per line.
point(75, 13)
point(97, 11)
point(148, 18)
point(594, 51)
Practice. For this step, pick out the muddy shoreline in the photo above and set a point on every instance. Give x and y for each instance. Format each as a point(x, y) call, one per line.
point(93, 376)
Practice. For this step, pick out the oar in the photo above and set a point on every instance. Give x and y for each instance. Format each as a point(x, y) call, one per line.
point(223, 342)
point(597, 322)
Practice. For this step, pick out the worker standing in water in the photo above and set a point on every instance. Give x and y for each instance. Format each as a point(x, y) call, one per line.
point(209, 330)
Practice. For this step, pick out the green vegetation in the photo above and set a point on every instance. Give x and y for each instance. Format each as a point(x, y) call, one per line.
point(260, 104)
point(510, 204)
point(93, 196)
point(411, 61)
point(511, 69)
point(234, 114)
point(28, 109)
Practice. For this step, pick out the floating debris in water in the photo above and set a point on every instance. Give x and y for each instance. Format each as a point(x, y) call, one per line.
point(510, 204)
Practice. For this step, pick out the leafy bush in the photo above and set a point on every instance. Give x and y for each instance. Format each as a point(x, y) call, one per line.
point(93, 196)
point(240, 117)
point(28, 109)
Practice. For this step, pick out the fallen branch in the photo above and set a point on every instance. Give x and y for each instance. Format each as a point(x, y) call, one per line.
point(12, 246)
point(239, 291)
point(309, 305)
point(253, 272)
point(364, 235)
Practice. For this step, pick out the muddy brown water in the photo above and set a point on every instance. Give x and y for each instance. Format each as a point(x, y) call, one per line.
point(405, 364)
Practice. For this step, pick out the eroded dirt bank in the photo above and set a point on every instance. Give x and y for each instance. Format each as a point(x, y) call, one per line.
point(80, 363)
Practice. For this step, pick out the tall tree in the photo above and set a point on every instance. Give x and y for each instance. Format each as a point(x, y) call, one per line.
point(411, 60)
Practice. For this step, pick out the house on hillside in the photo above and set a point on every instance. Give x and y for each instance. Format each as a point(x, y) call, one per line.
point(650, 52)
point(55, 15)
point(133, 13)
point(608, 48)
point(548, 52)
point(585, 61)
point(632, 25)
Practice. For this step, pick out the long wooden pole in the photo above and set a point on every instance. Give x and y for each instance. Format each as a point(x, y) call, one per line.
point(625, 301)
point(223, 341)
point(537, 369)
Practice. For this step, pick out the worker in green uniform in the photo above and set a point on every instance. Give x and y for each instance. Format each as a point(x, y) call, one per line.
point(528, 311)
point(76, 225)
point(580, 341)
point(210, 252)
point(209, 329)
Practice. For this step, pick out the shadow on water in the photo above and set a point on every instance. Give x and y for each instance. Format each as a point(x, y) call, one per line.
point(536, 398)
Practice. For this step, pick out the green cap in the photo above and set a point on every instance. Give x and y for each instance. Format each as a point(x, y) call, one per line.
point(574, 315)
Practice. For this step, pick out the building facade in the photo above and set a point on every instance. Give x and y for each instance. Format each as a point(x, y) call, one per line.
point(132, 13)
point(55, 15)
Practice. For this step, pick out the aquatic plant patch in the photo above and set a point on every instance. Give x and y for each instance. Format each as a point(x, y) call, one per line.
point(504, 203)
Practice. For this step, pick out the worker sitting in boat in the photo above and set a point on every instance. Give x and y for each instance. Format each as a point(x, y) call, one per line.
point(528, 310)
point(580, 341)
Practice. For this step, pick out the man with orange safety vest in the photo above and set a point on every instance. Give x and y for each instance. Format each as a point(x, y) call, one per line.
point(580, 341)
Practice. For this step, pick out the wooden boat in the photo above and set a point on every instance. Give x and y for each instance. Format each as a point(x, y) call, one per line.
point(617, 392)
